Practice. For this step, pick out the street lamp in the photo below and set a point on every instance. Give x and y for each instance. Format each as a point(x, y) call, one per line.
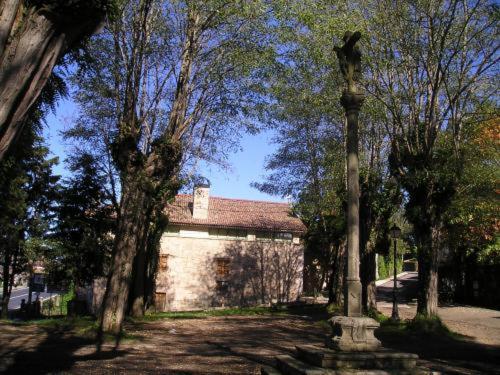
point(395, 234)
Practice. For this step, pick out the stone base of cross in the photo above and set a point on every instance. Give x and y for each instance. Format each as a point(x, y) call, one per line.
point(353, 334)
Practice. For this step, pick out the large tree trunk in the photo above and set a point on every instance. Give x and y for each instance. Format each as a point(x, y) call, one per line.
point(128, 235)
point(137, 295)
point(428, 273)
point(158, 227)
point(31, 42)
point(146, 176)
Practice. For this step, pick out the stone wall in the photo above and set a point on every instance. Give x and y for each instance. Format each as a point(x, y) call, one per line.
point(259, 271)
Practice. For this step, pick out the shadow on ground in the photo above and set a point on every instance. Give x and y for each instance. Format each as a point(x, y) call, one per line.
point(218, 345)
point(449, 353)
point(47, 350)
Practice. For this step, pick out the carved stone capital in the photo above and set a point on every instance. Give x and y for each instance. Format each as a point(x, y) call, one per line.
point(353, 334)
point(352, 101)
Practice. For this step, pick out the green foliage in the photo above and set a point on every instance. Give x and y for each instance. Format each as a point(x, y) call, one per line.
point(386, 262)
point(303, 85)
point(58, 305)
point(84, 227)
point(28, 191)
point(472, 219)
point(333, 309)
point(386, 267)
point(377, 315)
point(430, 64)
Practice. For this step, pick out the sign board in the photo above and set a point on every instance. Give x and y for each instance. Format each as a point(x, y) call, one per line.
point(37, 283)
point(38, 288)
point(38, 278)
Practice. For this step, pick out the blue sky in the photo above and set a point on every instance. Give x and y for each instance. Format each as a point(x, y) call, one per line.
point(246, 166)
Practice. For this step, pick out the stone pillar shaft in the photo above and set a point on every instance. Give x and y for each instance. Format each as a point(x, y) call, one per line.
point(352, 332)
point(352, 293)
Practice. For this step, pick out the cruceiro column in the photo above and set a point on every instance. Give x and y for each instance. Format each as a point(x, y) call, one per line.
point(352, 332)
point(352, 293)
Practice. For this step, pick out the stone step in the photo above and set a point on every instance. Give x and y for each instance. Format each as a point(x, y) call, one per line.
point(268, 370)
point(288, 365)
point(381, 359)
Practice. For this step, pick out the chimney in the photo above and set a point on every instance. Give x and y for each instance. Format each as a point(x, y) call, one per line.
point(200, 200)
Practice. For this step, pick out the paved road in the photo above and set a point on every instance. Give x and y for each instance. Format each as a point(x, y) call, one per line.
point(22, 293)
point(481, 325)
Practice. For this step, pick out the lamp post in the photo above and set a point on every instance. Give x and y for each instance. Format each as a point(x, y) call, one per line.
point(395, 234)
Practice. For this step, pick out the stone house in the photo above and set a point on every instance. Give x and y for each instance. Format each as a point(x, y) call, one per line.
point(228, 252)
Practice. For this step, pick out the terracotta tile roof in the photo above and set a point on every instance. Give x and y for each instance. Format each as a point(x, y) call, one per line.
point(236, 213)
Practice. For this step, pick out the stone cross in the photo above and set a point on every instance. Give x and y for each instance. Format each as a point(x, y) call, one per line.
point(352, 332)
point(349, 57)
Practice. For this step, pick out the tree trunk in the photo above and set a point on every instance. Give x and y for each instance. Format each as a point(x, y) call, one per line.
point(136, 297)
point(335, 282)
point(428, 273)
point(127, 239)
point(310, 275)
point(31, 42)
point(158, 227)
point(5, 288)
point(368, 273)
point(138, 305)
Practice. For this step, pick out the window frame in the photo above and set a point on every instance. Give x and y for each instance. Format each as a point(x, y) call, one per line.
point(222, 268)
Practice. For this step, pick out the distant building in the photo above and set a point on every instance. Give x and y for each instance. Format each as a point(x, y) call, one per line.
point(228, 252)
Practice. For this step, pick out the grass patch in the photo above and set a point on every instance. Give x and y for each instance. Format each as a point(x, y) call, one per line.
point(377, 315)
point(429, 325)
point(333, 309)
point(83, 327)
point(58, 323)
point(419, 326)
point(202, 314)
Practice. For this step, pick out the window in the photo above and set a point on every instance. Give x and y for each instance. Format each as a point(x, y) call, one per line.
point(224, 233)
point(284, 236)
point(163, 262)
point(264, 236)
point(160, 301)
point(222, 268)
point(278, 236)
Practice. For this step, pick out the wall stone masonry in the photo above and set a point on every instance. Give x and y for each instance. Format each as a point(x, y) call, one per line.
point(258, 271)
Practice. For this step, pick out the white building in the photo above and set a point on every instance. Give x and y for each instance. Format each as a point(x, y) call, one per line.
point(228, 252)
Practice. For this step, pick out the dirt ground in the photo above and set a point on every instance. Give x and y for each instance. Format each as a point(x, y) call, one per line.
point(215, 345)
